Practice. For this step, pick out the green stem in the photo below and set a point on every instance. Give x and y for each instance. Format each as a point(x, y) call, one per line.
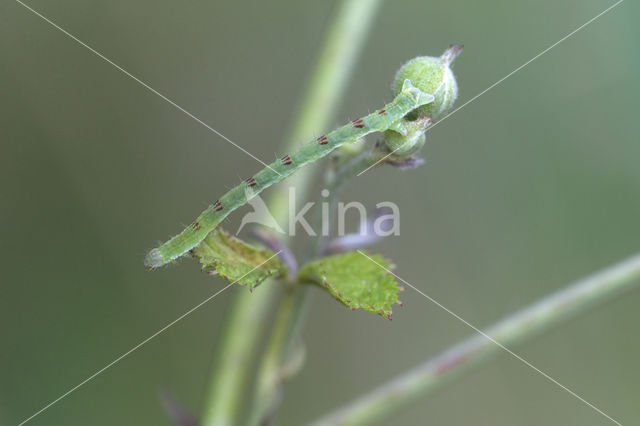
point(234, 356)
point(293, 308)
point(267, 393)
point(227, 389)
point(516, 328)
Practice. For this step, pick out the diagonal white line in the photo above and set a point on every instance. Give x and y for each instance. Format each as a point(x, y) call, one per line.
point(515, 355)
point(91, 377)
point(503, 78)
point(145, 85)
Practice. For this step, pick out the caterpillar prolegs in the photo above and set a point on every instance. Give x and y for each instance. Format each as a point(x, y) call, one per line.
point(390, 117)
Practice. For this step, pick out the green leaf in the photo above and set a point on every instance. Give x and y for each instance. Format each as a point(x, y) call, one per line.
point(356, 281)
point(234, 260)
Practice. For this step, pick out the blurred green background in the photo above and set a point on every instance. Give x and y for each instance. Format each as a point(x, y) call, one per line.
point(535, 184)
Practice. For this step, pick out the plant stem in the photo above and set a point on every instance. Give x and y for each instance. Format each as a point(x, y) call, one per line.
point(244, 326)
point(516, 328)
point(293, 307)
point(234, 356)
point(267, 392)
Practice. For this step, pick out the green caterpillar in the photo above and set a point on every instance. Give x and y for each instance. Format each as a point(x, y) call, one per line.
point(403, 121)
point(390, 117)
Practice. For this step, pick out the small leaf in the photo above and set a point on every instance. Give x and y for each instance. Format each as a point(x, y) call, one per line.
point(356, 281)
point(234, 260)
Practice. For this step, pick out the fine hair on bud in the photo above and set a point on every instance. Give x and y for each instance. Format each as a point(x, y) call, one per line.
point(431, 74)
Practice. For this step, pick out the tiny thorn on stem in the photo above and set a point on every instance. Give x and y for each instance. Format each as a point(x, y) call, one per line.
point(452, 52)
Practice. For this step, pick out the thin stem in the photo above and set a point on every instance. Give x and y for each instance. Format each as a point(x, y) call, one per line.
point(293, 308)
point(245, 324)
point(268, 392)
point(516, 328)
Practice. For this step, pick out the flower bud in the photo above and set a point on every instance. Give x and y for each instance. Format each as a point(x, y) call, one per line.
point(431, 75)
point(402, 146)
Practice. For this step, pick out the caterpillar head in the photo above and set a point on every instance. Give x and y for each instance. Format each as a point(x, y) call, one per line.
point(430, 75)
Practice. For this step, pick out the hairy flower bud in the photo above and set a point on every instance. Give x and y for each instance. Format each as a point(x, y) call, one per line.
point(402, 146)
point(431, 75)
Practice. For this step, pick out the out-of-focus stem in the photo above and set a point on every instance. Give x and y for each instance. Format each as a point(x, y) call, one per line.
point(516, 328)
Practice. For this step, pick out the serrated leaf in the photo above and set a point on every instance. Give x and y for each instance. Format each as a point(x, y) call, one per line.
point(355, 280)
point(234, 260)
